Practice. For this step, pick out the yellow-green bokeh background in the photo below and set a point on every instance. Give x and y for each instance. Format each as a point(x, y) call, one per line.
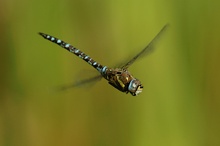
point(179, 106)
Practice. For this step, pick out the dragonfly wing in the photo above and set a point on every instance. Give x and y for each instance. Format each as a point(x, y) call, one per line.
point(81, 83)
point(148, 49)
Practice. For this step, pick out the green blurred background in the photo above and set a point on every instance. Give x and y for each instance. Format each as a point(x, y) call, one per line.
point(180, 103)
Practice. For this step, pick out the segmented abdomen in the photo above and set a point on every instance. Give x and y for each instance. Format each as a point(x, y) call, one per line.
point(75, 51)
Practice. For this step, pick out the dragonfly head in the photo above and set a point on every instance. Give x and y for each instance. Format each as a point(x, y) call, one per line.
point(135, 87)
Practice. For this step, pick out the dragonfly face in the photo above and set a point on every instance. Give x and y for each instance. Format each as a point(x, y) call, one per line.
point(135, 87)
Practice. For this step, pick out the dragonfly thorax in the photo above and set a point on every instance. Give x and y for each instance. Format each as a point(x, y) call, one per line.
point(122, 80)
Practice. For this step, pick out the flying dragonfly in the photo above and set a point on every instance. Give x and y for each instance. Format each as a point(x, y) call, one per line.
point(120, 77)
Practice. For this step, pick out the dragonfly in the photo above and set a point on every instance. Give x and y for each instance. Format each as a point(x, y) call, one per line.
point(120, 77)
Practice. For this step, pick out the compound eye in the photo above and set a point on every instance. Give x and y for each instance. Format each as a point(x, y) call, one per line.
point(135, 87)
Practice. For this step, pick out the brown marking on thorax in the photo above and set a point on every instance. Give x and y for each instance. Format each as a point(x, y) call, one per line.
point(119, 78)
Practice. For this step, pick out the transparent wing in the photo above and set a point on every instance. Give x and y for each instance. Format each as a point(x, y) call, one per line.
point(148, 49)
point(81, 83)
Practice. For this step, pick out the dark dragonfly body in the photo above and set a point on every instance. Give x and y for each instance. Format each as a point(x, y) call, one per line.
point(120, 78)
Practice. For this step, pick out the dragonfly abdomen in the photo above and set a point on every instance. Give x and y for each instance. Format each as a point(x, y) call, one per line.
point(75, 51)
